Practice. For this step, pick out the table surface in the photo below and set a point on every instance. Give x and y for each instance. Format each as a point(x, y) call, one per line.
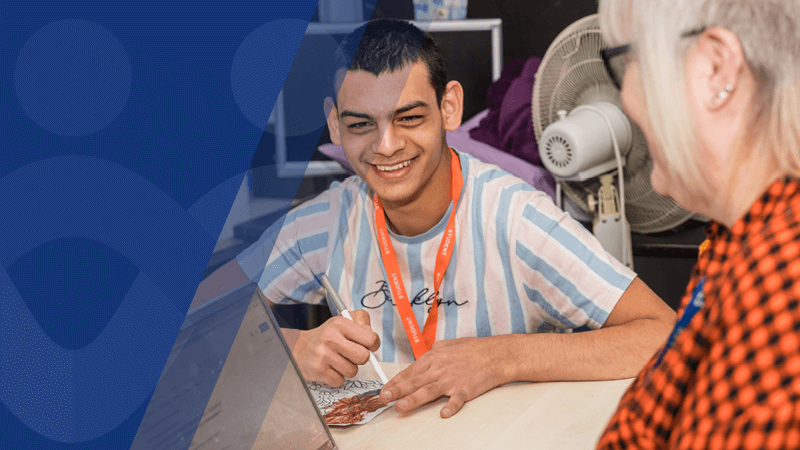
point(560, 415)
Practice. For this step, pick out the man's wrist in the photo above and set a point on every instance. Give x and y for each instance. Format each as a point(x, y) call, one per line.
point(292, 337)
point(509, 359)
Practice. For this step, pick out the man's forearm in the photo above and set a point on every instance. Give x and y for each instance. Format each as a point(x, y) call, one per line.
point(604, 354)
point(635, 329)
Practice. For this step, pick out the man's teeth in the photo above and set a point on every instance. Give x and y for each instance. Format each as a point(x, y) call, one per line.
point(394, 167)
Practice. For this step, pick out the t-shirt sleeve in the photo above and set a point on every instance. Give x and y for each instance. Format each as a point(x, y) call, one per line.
point(563, 267)
point(291, 255)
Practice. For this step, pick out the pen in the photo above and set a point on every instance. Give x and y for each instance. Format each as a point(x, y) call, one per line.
point(326, 283)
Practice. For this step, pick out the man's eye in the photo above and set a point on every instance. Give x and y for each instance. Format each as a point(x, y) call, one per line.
point(358, 125)
point(410, 119)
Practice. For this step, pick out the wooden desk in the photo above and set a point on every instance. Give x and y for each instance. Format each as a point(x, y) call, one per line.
point(563, 415)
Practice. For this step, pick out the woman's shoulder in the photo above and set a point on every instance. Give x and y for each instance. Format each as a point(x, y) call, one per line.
point(764, 271)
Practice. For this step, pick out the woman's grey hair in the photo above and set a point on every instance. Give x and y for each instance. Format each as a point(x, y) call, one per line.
point(769, 33)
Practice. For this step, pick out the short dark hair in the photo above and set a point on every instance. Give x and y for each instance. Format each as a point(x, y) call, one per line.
point(386, 45)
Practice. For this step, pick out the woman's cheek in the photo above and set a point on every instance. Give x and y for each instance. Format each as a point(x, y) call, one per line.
point(658, 179)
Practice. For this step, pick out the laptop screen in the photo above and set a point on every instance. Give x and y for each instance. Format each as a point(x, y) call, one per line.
point(260, 400)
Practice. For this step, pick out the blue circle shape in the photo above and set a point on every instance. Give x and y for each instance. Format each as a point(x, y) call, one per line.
point(253, 70)
point(72, 77)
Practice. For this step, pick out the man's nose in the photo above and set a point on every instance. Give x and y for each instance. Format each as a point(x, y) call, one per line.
point(391, 141)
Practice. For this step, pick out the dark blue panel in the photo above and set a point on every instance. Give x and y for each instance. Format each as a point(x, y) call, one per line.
point(123, 145)
point(18, 436)
point(72, 286)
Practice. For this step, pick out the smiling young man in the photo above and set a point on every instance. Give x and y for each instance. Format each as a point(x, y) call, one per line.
point(452, 264)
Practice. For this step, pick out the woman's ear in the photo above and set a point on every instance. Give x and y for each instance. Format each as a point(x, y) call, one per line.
point(723, 63)
point(452, 106)
point(332, 114)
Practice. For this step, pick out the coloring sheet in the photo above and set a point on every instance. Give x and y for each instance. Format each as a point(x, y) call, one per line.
point(355, 402)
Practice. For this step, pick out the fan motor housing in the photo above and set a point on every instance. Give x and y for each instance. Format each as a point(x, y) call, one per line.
point(579, 146)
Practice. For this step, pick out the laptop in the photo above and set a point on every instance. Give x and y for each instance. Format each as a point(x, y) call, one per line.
point(251, 397)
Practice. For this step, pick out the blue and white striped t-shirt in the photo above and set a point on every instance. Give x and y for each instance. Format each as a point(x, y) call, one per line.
point(519, 265)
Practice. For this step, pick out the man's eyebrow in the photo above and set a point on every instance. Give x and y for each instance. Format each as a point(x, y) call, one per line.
point(358, 115)
point(398, 111)
point(409, 107)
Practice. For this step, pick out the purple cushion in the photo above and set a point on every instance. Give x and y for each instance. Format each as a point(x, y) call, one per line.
point(508, 125)
point(460, 140)
point(336, 153)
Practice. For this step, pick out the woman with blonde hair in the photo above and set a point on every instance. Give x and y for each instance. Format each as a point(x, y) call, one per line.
point(715, 87)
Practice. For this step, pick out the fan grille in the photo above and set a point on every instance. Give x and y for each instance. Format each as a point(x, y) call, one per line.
point(572, 74)
point(558, 151)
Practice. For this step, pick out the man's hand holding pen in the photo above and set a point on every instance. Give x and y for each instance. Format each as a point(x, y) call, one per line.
point(334, 350)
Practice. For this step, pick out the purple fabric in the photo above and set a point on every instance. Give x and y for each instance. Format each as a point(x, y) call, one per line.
point(536, 176)
point(509, 126)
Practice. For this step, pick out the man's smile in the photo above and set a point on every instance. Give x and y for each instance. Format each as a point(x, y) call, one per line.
point(393, 167)
point(394, 170)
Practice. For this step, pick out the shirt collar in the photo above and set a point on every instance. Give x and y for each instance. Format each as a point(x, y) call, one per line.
point(776, 200)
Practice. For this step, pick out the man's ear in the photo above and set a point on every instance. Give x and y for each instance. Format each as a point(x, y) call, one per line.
point(332, 113)
point(452, 106)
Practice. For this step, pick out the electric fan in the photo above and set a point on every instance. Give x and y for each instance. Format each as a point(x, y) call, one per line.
point(585, 140)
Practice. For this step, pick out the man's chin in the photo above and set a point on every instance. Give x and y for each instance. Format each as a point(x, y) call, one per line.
point(392, 197)
point(387, 188)
point(397, 195)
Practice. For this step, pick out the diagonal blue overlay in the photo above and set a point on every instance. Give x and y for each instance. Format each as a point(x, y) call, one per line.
point(126, 129)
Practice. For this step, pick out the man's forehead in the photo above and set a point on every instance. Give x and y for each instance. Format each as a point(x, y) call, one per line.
point(363, 91)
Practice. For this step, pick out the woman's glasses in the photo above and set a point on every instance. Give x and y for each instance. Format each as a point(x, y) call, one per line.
point(616, 59)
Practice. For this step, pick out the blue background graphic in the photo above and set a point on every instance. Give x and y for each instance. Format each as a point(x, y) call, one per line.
point(126, 132)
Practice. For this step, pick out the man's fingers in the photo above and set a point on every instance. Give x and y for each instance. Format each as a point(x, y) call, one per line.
point(351, 351)
point(344, 367)
point(333, 378)
point(360, 335)
point(329, 355)
point(389, 390)
point(360, 317)
point(425, 394)
point(375, 343)
point(454, 405)
point(406, 382)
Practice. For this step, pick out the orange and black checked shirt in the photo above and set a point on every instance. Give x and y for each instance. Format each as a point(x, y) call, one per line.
point(732, 378)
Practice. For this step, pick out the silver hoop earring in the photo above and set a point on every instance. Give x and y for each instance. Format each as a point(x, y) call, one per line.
point(722, 95)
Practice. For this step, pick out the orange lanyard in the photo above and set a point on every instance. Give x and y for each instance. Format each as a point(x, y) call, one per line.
point(420, 343)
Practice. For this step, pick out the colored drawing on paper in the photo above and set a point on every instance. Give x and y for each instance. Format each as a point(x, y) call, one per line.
point(355, 402)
